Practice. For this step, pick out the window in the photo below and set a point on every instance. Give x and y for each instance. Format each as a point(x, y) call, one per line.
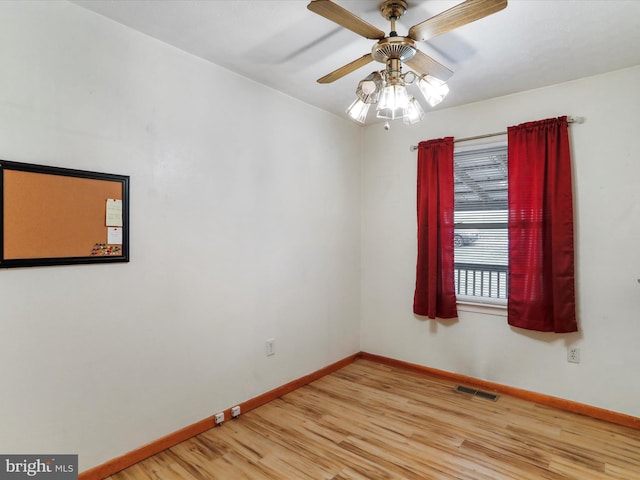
point(481, 214)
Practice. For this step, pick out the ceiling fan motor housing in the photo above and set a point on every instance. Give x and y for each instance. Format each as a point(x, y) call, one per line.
point(400, 48)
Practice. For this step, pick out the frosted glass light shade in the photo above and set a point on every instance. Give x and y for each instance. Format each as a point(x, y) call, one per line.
point(393, 97)
point(390, 114)
point(358, 110)
point(413, 113)
point(433, 89)
point(369, 89)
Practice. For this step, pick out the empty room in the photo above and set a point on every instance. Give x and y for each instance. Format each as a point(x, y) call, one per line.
point(326, 239)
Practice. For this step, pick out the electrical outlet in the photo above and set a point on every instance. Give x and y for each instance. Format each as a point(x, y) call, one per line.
point(573, 355)
point(271, 347)
point(235, 411)
point(219, 418)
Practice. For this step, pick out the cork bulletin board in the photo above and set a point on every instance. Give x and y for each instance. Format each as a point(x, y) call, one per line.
point(60, 216)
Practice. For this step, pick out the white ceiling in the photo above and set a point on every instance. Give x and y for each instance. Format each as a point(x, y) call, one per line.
point(281, 44)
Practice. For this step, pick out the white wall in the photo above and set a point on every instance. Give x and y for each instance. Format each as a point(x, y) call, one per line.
point(242, 229)
point(607, 203)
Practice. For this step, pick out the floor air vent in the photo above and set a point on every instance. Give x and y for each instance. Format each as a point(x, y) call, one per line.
point(476, 393)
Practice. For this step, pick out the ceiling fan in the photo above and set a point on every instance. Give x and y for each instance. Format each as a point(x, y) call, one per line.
point(394, 50)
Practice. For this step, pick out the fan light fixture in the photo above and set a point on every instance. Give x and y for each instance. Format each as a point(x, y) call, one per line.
point(388, 90)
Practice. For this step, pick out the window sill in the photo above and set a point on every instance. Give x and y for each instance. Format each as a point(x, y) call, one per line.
point(471, 304)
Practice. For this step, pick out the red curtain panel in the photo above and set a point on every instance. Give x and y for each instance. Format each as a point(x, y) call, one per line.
point(435, 292)
point(541, 243)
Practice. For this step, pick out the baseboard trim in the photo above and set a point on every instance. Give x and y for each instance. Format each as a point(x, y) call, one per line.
point(106, 469)
point(547, 400)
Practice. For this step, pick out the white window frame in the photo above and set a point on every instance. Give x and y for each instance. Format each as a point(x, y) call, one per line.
point(477, 304)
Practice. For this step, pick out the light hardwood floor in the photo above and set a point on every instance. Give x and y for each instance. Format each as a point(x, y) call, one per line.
point(369, 421)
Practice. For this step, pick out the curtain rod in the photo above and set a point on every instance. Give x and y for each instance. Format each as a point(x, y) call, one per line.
point(413, 148)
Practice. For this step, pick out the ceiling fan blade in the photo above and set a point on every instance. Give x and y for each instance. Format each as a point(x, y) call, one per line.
point(346, 69)
point(345, 18)
point(462, 14)
point(424, 64)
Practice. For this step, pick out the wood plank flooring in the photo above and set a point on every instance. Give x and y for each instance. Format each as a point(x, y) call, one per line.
point(369, 421)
